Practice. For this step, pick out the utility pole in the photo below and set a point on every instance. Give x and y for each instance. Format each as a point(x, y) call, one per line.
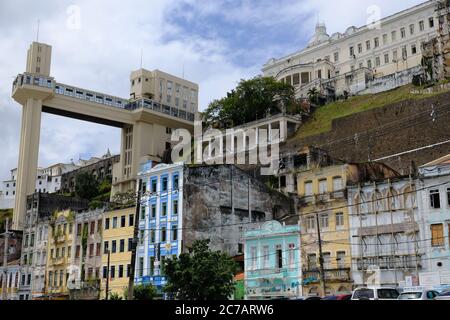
point(5, 259)
point(134, 244)
point(322, 271)
point(107, 275)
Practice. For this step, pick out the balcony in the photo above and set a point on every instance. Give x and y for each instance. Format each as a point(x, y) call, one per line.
point(58, 261)
point(331, 275)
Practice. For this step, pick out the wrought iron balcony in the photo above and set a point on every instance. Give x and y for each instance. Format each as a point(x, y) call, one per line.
point(338, 275)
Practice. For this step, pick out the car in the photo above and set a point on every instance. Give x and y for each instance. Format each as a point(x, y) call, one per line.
point(418, 295)
point(444, 295)
point(330, 298)
point(344, 297)
point(313, 298)
point(379, 293)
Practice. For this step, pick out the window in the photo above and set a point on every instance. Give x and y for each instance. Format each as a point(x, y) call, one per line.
point(113, 246)
point(435, 201)
point(421, 25)
point(394, 35)
point(308, 188)
point(79, 229)
point(152, 236)
point(291, 255)
point(411, 29)
point(122, 245)
point(92, 228)
point(91, 250)
point(153, 210)
point(339, 220)
point(130, 244)
point(105, 247)
point(114, 225)
point(175, 207)
point(142, 213)
point(279, 257)
point(175, 182)
point(312, 261)
point(360, 48)
point(385, 39)
point(336, 56)
point(448, 197)
point(164, 209)
point(154, 183)
point(413, 49)
point(131, 220)
point(326, 260)
point(386, 58)
point(310, 223)
point(174, 232)
point(352, 52)
point(113, 272)
point(163, 234)
point(323, 186)
point(324, 221)
point(369, 64)
point(431, 22)
point(141, 266)
point(106, 223)
point(376, 42)
point(394, 56)
point(402, 33)
point(368, 45)
point(164, 184)
point(340, 259)
point(437, 235)
point(120, 275)
point(123, 220)
point(77, 252)
point(98, 251)
point(377, 62)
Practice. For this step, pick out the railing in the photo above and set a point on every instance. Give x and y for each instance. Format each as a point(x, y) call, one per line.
point(339, 274)
point(99, 98)
point(58, 261)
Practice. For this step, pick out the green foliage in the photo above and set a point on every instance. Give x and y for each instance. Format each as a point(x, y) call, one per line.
point(251, 100)
point(145, 292)
point(5, 213)
point(86, 186)
point(313, 95)
point(115, 296)
point(124, 200)
point(200, 274)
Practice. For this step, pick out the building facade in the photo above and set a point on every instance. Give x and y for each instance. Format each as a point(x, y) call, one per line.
point(272, 262)
point(160, 221)
point(434, 207)
point(375, 57)
point(118, 232)
point(385, 234)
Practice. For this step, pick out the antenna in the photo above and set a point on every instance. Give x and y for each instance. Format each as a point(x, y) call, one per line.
point(38, 27)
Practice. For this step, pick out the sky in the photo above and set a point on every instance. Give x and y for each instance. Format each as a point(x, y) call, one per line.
point(96, 44)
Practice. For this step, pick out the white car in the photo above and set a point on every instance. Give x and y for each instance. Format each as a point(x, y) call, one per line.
point(418, 295)
point(445, 295)
point(375, 294)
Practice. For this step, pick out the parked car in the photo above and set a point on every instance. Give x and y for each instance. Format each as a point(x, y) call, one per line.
point(344, 297)
point(418, 295)
point(330, 298)
point(444, 295)
point(381, 293)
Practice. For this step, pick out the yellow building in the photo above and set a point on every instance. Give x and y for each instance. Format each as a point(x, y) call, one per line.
point(322, 201)
point(118, 228)
point(59, 259)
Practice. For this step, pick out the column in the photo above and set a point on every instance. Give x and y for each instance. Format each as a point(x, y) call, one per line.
point(28, 158)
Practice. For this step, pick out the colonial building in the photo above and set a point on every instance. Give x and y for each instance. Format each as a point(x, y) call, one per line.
point(385, 232)
point(118, 232)
point(434, 207)
point(367, 59)
point(272, 262)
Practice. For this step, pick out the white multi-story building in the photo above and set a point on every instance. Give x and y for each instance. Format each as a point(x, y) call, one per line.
point(434, 207)
point(368, 59)
point(48, 180)
point(385, 232)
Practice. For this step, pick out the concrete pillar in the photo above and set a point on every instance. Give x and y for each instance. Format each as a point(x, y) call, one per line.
point(28, 158)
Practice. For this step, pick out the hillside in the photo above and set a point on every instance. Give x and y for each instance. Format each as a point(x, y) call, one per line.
point(321, 120)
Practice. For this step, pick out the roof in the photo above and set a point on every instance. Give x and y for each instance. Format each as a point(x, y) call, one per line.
point(239, 276)
point(441, 161)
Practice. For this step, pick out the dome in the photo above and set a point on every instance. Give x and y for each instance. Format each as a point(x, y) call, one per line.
point(320, 35)
point(350, 30)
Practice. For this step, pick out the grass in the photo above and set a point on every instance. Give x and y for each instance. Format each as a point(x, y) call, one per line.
point(323, 117)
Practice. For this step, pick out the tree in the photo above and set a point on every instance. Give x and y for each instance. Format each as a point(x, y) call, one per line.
point(251, 100)
point(144, 292)
point(86, 186)
point(115, 296)
point(200, 274)
point(313, 95)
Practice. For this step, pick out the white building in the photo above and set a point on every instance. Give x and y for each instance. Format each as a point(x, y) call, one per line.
point(365, 59)
point(385, 232)
point(48, 180)
point(434, 207)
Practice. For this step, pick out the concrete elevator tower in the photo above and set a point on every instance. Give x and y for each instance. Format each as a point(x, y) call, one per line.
point(158, 103)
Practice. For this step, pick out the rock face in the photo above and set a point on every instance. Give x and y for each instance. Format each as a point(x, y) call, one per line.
point(207, 206)
point(388, 131)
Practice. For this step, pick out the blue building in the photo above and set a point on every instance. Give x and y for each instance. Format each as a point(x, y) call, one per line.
point(272, 262)
point(160, 221)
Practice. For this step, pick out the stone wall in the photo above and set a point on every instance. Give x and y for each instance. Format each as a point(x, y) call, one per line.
point(387, 131)
point(207, 206)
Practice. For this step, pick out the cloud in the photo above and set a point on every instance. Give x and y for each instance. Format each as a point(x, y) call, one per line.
point(216, 43)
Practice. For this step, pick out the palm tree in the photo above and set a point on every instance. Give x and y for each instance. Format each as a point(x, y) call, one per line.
point(313, 95)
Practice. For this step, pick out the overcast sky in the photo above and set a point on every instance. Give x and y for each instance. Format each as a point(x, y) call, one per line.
point(218, 42)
